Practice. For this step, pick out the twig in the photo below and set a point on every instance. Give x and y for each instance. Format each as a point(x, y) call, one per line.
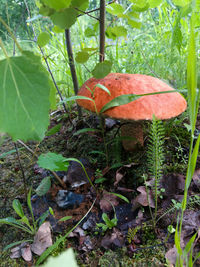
point(86, 13)
point(22, 170)
point(102, 30)
point(72, 66)
point(96, 9)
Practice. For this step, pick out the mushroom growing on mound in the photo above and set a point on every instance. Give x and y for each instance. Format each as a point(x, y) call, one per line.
point(162, 106)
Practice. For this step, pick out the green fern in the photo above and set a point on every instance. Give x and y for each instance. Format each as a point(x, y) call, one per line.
point(193, 201)
point(131, 233)
point(155, 157)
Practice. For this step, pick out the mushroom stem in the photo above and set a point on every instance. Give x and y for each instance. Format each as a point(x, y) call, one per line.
point(133, 130)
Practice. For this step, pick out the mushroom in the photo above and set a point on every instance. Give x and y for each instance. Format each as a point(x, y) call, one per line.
point(162, 106)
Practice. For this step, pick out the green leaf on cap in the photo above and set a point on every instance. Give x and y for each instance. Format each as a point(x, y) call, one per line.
point(119, 100)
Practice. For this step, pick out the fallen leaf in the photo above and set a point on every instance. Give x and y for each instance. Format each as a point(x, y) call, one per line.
point(120, 173)
point(16, 253)
point(116, 239)
point(26, 253)
point(42, 239)
point(196, 178)
point(107, 199)
point(171, 255)
point(142, 197)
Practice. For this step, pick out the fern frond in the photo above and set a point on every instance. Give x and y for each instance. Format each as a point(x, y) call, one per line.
point(131, 233)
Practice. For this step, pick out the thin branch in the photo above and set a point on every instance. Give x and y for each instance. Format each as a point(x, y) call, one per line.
point(72, 66)
point(86, 13)
point(96, 9)
point(102, 30)
point(22, 170)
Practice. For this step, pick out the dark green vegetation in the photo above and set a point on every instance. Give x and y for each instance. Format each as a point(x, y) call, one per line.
point(153, 37)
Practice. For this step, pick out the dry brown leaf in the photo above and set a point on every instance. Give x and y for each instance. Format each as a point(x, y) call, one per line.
point(196, 178)
point(24, 250)
point(142, 197)
point(120, 173)
point(26, 253)
point(116, 238)
point(107, 199)
point(42, 239)
point(171, 256)
point(16, 253)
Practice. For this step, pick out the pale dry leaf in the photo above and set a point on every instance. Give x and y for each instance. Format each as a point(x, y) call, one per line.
point(143, 199)
point(42, 239)
point(26, 253)
point(118, 177)
point(116, 239)
point(196, 178)
point(171, 255)
point(107, 199)
point(120, 173)
point(15, 253)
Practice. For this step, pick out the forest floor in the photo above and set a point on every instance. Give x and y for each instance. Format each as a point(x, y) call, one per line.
point(127, 236)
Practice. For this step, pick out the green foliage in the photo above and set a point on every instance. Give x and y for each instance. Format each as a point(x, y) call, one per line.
point(65, 258)
point(174, 207)
point(53, 162)
point(131, 233)
point(24, 223)
point(25, 91)
point(102, 69)
point(155, 159)
point(44, 186)
point(46, 253)
point(155, 153)
point(82, 57)
point(108, 223)
point(43, 39)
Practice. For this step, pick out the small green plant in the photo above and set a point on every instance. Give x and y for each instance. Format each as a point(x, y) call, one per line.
point(99, 177)
point(131, 233)
point(155, 159)
point(108, 223)
point(25, 224)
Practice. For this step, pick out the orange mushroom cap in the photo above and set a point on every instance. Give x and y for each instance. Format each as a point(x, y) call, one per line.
point(163, 106)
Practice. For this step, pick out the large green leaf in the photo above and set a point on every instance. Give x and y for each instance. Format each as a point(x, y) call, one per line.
point(154, 3)
point(43, 39)
point(117, 31)
point(102, 69)
point(64, 18)
point(66, 258)
point(181, 2)
point(24, 97)
point(115, 9)
point(53, 162)
point(57, 4)
point(80, 4)
point(82, 57)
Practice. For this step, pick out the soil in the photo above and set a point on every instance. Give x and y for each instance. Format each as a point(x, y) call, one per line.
point(94, 246)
